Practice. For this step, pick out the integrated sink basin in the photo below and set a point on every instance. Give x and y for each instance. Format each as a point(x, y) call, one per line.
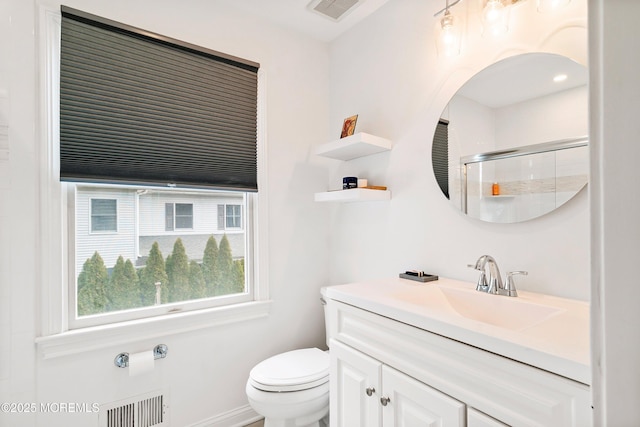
point(544, 331)
point(505, 312)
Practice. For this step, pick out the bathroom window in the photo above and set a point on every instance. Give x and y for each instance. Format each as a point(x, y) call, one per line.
point(150, 146)
point(104, 215)
point(142, 266)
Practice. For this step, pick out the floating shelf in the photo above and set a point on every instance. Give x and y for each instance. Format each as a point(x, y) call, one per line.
point(353, 195)
point(354, 146)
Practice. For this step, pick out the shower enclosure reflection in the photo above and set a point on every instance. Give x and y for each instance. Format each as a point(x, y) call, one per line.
point(510, 144)
point(519, 184)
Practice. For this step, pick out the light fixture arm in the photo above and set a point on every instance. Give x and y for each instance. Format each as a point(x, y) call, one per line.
point(441, 11)
point(504, 2)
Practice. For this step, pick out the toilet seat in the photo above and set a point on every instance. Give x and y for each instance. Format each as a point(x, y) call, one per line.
point(291, 371)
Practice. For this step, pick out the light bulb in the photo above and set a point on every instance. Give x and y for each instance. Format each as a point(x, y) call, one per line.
point(449, 37)
point(492, 11)
point(494, 16)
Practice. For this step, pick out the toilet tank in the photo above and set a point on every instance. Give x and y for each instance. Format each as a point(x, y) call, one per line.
point(323, 299)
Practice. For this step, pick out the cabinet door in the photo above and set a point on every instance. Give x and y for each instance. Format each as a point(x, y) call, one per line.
point(479, 419)
point(355, 385)
point(414, 404)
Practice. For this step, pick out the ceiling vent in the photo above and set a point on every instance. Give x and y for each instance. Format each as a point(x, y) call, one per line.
point(333, 9)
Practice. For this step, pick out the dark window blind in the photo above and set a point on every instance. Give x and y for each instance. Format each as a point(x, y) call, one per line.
point(440, 156)
point(139, 108)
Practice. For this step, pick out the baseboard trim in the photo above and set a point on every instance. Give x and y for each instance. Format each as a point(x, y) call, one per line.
point(238, 417)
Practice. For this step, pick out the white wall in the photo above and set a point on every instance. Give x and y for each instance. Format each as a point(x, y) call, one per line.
point(387, 71)
point(615, 207)
point(472, 127)
point(206, 371)
point(557, 116)
point(370, 76)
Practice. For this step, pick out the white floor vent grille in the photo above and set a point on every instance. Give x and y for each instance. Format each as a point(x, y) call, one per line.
point(149, 410)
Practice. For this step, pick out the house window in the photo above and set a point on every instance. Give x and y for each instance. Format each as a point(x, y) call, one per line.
point(233, 216)
point(184, 216)
point(142, 267)
point(178, 216)
point(104, 215)
point(154, 152)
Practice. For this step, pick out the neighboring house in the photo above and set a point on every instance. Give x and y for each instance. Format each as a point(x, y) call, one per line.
point(124, 221)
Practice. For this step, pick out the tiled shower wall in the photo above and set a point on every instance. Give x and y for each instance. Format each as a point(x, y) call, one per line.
point(529, 186)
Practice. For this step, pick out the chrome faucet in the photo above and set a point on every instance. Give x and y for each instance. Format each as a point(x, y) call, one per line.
point(493, 283)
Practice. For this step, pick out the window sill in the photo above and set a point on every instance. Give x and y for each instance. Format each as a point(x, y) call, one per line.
point(98, 337)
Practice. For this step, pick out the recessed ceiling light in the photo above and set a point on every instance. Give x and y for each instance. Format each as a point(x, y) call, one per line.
point(560, 78)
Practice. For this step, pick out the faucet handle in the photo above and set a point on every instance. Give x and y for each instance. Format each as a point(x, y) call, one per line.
point(510, 285)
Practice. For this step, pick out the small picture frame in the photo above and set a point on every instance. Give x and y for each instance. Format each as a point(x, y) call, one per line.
point(349, 126)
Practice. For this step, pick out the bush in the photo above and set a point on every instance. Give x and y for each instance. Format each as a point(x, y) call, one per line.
point(153, 272)
point(92, 285)
point(180, 279)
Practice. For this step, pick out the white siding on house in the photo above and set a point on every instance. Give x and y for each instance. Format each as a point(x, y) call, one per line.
point(137, 230)
point(110, 245)
point(205, 223)
point(205, 211)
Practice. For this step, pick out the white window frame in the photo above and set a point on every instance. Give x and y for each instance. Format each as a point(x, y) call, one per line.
point(144, 313)
point(226, 224)
point(174, 206)
point(91, 230)
point(58, 336)
point(175, 216)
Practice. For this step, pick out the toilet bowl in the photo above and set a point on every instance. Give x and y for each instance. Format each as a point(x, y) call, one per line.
point(292, 389)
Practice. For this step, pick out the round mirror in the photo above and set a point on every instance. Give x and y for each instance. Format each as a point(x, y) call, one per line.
point(512, 143)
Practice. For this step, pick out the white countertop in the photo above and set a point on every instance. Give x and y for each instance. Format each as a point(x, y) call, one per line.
point(547, 332)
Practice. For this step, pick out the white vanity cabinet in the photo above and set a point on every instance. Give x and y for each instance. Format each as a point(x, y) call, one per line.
point(367, 393)
point(355, 381)
point(478, 419)
point(432, 380)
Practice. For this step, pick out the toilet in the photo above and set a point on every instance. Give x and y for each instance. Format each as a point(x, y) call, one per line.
point(292, 389)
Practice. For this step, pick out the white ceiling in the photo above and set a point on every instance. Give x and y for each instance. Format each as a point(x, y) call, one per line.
point(295, 15)
point(503, 83)
point(523, 77)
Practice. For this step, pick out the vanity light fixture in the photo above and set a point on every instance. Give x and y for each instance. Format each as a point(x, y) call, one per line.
point(449, 32)
point(495, 18)
point(495, 21)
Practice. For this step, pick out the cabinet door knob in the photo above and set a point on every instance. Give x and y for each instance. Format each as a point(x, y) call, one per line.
point(385, 401)
point(370, 391)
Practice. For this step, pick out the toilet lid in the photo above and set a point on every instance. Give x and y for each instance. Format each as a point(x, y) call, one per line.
point(292, 371)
